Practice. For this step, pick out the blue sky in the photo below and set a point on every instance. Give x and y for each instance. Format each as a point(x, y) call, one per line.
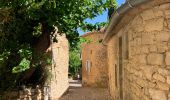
point(100, 18)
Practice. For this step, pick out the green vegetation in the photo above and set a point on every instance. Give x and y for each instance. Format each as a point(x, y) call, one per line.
point(74, 57)
point(25, 23)
point(74, 62)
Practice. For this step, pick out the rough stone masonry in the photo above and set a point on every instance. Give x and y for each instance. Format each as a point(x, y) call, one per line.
point(146, 71)
point(148, 68)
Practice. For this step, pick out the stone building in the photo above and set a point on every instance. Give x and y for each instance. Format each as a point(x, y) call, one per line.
point(138, 47)
point(60, 56)
point(94, 66)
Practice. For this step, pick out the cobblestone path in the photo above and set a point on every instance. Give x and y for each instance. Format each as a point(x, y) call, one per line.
point(76, 92)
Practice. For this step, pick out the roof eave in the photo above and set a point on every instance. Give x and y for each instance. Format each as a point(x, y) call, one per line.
point(117, 16)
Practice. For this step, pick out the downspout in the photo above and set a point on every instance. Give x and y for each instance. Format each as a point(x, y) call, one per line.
point(117, 16)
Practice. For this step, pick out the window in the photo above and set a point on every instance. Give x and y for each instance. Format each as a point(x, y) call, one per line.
point(91, 52)
point(100, 41)
point(88, 66)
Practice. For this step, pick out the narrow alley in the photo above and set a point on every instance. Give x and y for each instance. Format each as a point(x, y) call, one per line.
point(77, 92)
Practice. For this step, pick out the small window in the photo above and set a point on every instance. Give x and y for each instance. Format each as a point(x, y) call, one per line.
point(88, 66)
point(101, 40)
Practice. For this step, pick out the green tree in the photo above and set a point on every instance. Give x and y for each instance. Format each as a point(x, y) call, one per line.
point(67, 15)
point(74, 62)
point(74, 57)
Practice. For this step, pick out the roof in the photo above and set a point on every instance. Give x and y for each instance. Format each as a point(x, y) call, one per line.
point(124, 14)
point(102, 30)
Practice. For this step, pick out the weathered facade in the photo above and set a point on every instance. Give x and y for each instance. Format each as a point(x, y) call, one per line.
point(94, 66)
point(139, 52)
point(60, 56)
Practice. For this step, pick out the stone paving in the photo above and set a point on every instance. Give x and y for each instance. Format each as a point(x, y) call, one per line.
point(76, 92)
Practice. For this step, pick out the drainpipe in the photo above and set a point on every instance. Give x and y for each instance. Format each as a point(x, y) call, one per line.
point(117, 16)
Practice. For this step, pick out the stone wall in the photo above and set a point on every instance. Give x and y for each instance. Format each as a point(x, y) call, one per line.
point(24, 94)
point(95, 52)
point(112, 61)
point(60, 54)
point(146, 70)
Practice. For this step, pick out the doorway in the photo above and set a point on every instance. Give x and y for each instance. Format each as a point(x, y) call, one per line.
point(120, 69)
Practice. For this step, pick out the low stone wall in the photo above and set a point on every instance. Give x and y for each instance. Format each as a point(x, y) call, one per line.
point(25, 94)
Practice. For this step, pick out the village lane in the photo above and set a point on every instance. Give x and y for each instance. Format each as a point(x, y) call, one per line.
point(86, 93)
point(76, 92)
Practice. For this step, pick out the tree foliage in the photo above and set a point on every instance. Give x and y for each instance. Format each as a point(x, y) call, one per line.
point(75, 57)
point(67, 15)
point(74, 62)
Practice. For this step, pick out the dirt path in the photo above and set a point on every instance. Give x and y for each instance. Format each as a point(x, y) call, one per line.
point(76, 92)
